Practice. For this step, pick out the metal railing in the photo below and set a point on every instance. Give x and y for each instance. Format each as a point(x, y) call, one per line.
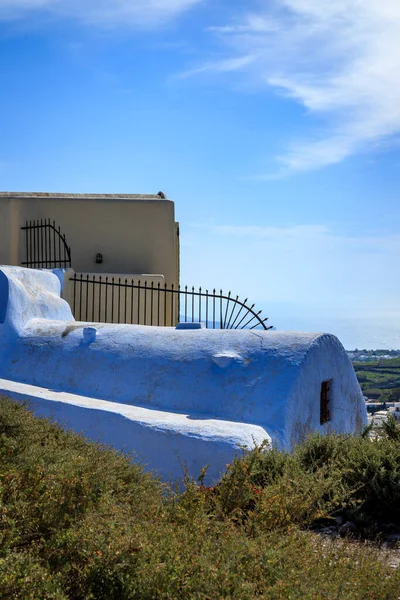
point(119, 300)
point(45, 246)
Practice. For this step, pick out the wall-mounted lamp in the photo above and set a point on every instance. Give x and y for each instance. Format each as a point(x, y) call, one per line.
point(99, 258)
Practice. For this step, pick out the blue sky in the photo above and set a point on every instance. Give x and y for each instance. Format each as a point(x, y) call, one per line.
point(274, 125)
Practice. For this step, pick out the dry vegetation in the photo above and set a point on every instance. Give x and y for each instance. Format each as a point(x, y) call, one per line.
point(81, 521)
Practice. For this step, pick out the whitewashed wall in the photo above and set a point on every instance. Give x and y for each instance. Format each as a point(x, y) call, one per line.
point(267, 380)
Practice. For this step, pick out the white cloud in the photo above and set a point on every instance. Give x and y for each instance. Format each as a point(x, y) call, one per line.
point(252, 24)
point(107, 13)
point(339, 59)
point(222, 66)
point(270, 233)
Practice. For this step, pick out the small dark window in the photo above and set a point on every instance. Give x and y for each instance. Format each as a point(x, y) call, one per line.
point(325, 410)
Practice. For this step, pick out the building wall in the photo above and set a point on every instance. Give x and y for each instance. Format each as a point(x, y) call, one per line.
point(8, 224)
point(135, 234)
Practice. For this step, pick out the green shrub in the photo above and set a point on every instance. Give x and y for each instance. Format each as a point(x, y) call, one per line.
point(358, 477)
point(81, 521)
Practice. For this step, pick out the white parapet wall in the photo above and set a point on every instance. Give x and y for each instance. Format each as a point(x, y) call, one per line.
point(169, 444)
point(255, 384)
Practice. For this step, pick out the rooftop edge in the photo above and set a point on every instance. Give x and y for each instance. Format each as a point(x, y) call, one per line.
point(82, 196)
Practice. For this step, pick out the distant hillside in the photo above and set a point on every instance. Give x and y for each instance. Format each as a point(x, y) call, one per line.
point(379, 379)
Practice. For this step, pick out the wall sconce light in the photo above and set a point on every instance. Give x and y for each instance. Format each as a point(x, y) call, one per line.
point(99, 258)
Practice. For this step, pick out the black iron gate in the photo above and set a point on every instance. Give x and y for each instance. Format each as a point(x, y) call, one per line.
point(119, 300)
point(45, 246)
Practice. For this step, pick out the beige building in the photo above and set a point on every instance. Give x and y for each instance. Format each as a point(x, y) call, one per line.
point(128, 234)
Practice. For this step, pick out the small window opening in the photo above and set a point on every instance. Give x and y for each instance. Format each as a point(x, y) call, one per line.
point(325, 410)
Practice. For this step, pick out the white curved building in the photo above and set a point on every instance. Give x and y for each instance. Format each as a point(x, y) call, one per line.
point(227, 388)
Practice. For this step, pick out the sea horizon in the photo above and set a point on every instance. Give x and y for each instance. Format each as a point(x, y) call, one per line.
point(360, 333)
